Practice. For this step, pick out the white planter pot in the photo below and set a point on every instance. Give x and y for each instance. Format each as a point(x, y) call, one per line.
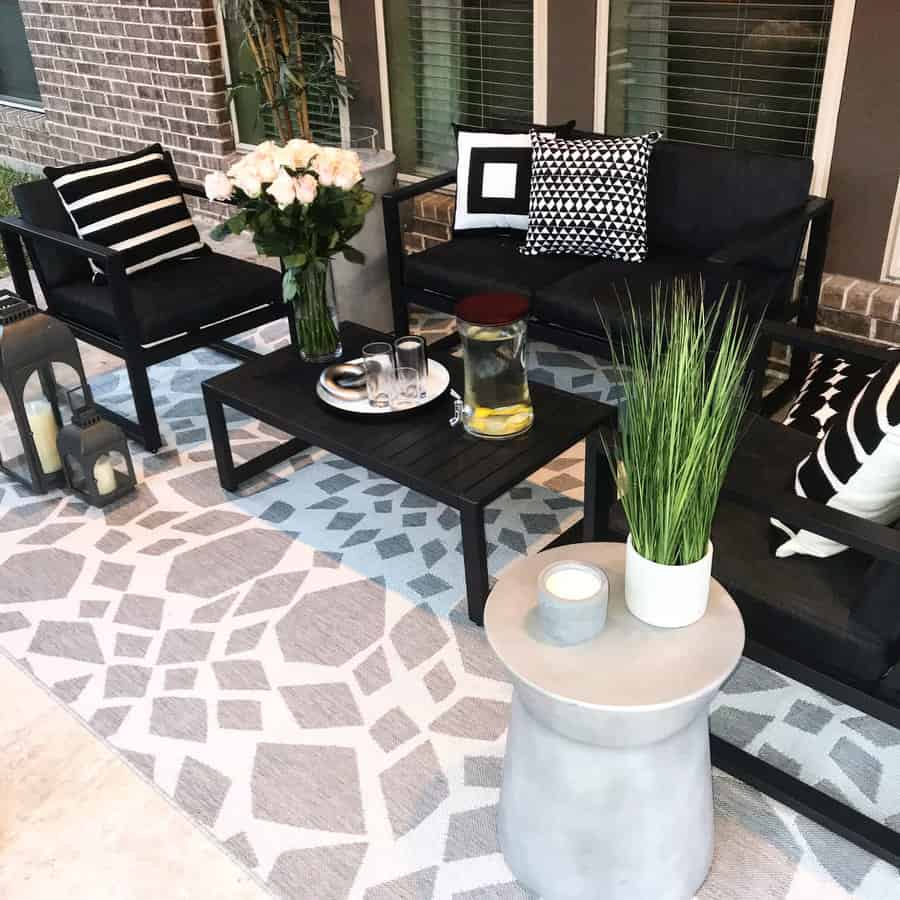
point(666, 596)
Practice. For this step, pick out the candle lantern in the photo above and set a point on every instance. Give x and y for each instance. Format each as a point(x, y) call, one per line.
point(95, 458)
point(36, 351)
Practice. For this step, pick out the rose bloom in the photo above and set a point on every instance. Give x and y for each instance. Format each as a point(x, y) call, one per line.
point(347, 174)
point(266, 170)
point(218, 186)
point(296, 153)
point(283, 190)
point(306, 188)
point(248, 182)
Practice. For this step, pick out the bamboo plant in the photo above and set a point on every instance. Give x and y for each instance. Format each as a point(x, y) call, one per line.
point(684, 373)
point(290, 68)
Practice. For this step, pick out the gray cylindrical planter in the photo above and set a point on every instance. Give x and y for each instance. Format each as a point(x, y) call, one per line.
point(363, 291)
point(607, 785)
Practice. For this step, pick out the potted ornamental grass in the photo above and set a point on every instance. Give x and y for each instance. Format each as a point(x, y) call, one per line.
point(684, 372)
point(303, 204)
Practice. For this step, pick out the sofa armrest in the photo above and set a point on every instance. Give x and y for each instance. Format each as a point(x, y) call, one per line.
point(417, 188)
point(752, 484)
point(751, 239)
point(830, 344)
point(393, 236)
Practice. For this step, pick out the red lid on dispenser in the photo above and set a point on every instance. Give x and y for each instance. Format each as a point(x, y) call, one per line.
point(492, 309)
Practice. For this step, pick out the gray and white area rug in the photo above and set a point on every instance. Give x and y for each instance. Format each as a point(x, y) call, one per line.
point(294, 668)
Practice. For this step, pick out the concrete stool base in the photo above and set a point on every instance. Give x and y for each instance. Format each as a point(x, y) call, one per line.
point(582, 822)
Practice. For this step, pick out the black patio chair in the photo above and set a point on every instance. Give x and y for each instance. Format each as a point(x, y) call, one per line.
point(143, 318)
point(821, 622)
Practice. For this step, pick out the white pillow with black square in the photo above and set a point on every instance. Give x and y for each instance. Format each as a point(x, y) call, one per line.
point(493, 176)
point(589, 196)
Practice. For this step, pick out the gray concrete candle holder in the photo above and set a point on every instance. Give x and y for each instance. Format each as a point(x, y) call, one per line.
point(572, 601)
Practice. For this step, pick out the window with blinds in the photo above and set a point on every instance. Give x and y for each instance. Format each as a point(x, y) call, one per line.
point(463, 61)
point(324, 115)
point(726, 73)
point(17, 80)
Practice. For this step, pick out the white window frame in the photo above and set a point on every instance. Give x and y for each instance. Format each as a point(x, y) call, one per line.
point(539, 77)
point(890, 268)
point(829, 101)
point(340, 66)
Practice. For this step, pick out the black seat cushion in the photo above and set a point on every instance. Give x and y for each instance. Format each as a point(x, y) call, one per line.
point(39, 205)
point(486, 263)
point(816, 611)
point(174, 297)
point(579, 300)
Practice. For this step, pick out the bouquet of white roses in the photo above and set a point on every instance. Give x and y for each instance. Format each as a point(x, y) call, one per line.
point(302, 203)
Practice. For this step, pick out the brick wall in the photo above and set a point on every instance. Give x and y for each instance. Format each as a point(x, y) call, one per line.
point(117, 75)
point(849, 306)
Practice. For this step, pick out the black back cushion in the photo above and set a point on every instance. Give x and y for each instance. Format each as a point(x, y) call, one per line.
point(700, 198)
point(39, 205)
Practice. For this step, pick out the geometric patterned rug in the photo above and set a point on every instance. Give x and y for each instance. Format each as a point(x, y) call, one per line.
point(293, 666)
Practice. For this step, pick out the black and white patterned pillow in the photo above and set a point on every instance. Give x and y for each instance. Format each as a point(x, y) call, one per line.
point(132, 204)
point(589, 196)
point(856, 467)
point(830, 386)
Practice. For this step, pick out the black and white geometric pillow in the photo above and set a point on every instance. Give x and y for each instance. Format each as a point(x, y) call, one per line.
point(493, 176)
point(830, 387)
point(132, 204)
point(856, 467)
point(589, 196)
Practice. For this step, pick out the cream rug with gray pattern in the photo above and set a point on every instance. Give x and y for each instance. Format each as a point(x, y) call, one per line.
point(294, 668)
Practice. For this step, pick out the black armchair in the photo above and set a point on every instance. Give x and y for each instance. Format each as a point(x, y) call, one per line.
point(832, 624)
point(143, 318)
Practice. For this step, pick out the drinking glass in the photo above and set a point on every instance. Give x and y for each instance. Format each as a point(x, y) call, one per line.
point(378, 358)
point(406, 388)
point(410, 353)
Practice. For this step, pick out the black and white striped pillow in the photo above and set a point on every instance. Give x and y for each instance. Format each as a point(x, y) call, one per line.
point(132, 204)
point(856, 467)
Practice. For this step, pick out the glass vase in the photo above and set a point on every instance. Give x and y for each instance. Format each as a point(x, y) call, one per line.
point(315, 313)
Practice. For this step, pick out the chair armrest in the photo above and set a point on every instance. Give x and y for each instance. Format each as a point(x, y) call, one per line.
point(420, 187)
point(87, 249)
point(749, 241)
point(822, 342)
point(748, 486)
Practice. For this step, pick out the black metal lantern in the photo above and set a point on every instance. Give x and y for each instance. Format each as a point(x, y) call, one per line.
point(33, 348)
point(95, 458)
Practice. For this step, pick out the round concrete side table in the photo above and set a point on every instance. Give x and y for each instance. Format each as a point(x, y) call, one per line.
point(607, 785)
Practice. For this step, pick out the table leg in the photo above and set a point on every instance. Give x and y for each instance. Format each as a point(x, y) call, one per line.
point(599, 490)
point(218, 431)
point(475, 560)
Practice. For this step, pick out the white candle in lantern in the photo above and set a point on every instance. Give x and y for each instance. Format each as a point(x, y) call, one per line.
point(44, 429)
point(572, 583)
point(104, 475)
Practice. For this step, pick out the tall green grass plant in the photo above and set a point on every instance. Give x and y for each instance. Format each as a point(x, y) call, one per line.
point(685, 393)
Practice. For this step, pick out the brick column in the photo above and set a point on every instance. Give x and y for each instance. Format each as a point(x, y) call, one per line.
point(115, 76)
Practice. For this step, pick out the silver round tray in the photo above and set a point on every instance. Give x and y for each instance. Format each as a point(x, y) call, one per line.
point(436, 384)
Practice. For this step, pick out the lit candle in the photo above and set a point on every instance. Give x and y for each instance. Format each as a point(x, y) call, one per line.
point(44, 429)
point(104, 475)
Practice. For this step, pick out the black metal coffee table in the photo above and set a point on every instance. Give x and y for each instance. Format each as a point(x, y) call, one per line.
point(419, 449)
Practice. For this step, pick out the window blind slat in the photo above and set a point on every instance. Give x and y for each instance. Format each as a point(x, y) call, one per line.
point(729, 73)
point(465, 61)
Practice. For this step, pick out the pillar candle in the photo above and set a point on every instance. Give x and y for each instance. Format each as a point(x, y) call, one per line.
point(104, 475)
point(44, 429)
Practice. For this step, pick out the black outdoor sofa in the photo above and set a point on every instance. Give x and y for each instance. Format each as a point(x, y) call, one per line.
point(144, 318)
point(727, 216)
